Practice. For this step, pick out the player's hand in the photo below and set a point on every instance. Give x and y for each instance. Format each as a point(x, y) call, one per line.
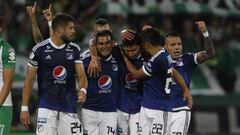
point(94, 67)
point(201, 26)
point(25, 118)
point(32, 10)
point(81, 97)
point(48, 13)
point(146, 27)
point(127, 34)
point(187, 96)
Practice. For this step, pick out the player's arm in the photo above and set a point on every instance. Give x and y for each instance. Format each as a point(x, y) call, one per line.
point(37, 36)
point(8, 74)
point(82, 82)
point(94, 67)
point(8, 65)
point(49, 16)
point(209, 48)
point(27, 90)
point(181, 82)
point(136, 73)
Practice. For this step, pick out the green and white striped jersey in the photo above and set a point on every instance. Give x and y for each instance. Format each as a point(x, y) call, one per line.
point(7, 60)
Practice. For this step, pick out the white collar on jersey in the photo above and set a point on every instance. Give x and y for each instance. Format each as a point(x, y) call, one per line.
point(174, 61)
point(55, 46)
point(107, 59)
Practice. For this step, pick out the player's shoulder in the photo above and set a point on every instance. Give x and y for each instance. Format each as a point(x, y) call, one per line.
point(41, 44)
point(74, 45)
point(188, 55)
point(160, 55)
point(5, 44)
point(86, 55)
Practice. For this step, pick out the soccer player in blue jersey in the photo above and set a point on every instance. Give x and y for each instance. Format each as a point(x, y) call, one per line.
point(131, 89)
point(155, 113)
point(100, 25)
point(185, 64)
point(57, 63)
point(99, 111)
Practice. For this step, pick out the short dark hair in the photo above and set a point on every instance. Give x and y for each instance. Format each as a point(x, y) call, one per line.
point(104, 33)
point(1, 21)
point(152, 36)
point(61, 19)
point(173, 34)
point(135, 41)
point(101, 21)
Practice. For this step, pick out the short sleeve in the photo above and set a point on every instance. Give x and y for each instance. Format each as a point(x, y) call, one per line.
point(33, 59)
point(78, 59)
point(8, 56)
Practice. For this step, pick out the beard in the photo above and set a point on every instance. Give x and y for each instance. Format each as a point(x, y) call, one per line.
point(65, 39)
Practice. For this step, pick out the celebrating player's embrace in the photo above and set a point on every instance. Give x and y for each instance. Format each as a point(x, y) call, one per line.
point(138, 87)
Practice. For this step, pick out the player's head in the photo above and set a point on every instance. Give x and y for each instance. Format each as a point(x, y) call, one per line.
point(63, 25)
point(104, 43)
point(101, 24)
point(173, 44)
point(132, 48)
point(151, 38)
point(1, 23)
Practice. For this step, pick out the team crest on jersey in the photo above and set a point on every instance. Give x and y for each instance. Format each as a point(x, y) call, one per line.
point(179, 63)
point(105, 83)
point(69, 56)
point(115, 67)
point(130, 80)
point(59, 73)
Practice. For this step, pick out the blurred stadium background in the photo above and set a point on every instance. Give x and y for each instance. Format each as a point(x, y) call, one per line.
point(215, 84)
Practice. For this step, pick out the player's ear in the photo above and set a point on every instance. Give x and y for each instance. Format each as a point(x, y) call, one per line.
point(60, 29)
point(165, 45)
point(113, 42)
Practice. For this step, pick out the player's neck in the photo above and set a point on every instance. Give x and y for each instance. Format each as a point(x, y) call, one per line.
point(154, 50)
point(56, 40)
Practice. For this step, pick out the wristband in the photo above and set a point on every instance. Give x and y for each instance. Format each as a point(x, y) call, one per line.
point(24, 108)
point(50, 23)
point(83, 90)
point(205, 34)
point(124, 31)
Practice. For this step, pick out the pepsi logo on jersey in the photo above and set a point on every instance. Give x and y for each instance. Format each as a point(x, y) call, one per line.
point(131, 82)
point(60, 73)
point(105, 83)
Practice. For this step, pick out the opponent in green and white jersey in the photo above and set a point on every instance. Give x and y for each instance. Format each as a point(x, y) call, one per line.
point(7, 68)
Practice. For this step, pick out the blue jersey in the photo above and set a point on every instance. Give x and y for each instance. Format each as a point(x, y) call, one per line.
point(157, 86)
point(102, 91)
point(56, 75)
point(185, 66)
point(131, 89)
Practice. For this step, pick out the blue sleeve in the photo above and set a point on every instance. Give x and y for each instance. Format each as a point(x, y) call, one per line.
point(78, 56)
point(34, 59)
point(190, 59)
point(155, 64)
